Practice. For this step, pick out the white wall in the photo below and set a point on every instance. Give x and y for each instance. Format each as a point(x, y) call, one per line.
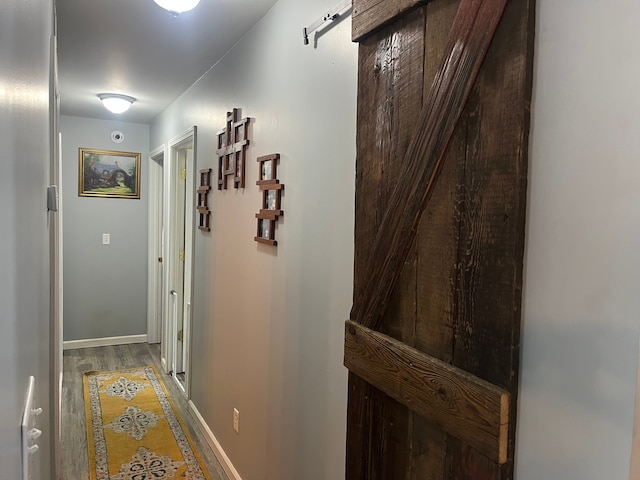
point(269, 321)
point(105, 286)
point(582, 277)
point(25, 30)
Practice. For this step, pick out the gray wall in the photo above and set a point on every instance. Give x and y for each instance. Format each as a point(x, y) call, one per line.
point(282, 368)
point(582, 279)
point(280, 363)
point(269, 321)
point(105, 286)
point(25, 30)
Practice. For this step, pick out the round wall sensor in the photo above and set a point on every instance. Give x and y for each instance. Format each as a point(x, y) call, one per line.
point(117, 136)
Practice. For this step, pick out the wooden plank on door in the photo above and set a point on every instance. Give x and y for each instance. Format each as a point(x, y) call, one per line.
point(390, 78)
point(368, 15)
point(492, 229)
point(438, 232)
point(461, 404)
point(437, 247)
point(466, 463)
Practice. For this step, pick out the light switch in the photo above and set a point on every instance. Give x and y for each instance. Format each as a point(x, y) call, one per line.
point(30, 433)
point(106, 238)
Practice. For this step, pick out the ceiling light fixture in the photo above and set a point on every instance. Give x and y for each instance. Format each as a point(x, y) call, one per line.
point(115, 102)
point(178, 6)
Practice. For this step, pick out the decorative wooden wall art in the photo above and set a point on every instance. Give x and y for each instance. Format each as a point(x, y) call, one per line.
point(203, 200)
point(233, 141)
point(271, 189)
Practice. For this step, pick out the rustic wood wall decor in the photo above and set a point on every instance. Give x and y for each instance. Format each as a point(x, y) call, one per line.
point(432, 344)
point(203, 200)
point(233, 141)
point(271, 189)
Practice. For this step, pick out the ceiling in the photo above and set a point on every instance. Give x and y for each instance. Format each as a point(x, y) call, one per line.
point(136, 48)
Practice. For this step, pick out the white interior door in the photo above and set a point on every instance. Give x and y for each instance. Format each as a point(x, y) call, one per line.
point(187, 213)
point(55, 254)
point(178, 282)
point(155, 260)
point(178, 268)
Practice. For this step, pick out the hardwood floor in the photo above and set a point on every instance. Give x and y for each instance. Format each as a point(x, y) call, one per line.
point(74, 439)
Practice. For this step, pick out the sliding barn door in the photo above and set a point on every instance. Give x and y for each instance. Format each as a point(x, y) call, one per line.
point(432, 345)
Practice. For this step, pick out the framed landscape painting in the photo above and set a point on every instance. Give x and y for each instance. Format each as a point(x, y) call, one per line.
point(108, 173)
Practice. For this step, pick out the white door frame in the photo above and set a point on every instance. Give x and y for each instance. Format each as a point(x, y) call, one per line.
point(57, 308)
point(188, 137)
point(156, 182)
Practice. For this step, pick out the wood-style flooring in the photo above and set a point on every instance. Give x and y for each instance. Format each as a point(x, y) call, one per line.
point(74, 439)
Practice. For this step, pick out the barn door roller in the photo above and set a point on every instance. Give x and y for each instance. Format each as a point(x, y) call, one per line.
point(331, 16)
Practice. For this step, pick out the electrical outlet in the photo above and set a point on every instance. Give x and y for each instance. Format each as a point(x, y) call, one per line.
point(106, 238)
point(236, 420)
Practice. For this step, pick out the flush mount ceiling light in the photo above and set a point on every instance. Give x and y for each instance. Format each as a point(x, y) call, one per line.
point(115, 102)
point(178, 6)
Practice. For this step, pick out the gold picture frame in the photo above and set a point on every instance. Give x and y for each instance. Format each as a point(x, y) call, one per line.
point(108, 173)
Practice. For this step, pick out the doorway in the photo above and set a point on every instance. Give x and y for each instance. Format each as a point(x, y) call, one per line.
point(155, 272)
point(177, 270)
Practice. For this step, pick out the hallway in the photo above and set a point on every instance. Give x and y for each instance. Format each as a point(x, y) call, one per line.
point(76, 362)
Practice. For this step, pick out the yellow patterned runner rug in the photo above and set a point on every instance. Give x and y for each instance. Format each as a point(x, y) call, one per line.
point(134, 431)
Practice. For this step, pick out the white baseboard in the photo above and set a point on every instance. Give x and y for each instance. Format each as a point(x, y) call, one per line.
point(103, 342)
point(228, 467)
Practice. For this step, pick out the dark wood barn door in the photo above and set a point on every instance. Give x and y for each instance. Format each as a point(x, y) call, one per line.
point(432, 345)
